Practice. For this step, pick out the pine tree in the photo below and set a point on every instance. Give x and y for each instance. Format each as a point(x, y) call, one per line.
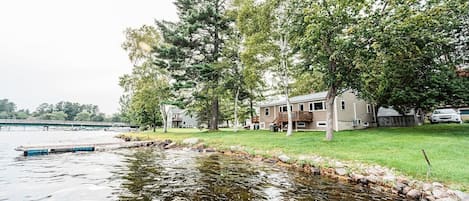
point(193, 53)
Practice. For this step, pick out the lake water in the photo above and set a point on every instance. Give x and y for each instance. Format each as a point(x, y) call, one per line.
point(152, 174)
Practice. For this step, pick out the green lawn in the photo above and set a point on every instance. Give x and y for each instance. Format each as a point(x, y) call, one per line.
point(447, 146)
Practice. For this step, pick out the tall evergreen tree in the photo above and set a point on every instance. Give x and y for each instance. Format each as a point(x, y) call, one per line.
point(193, 53)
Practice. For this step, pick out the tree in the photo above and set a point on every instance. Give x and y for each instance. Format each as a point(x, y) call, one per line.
point(147, 87)
point(407, 54)
point(100, 117)
point(264, 26)
point(321, 33)
point(193, 51)
point(307, 82)
point(7, 109)
point(83, 116)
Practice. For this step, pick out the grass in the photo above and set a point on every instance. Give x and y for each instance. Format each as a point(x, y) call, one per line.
point(447, 146)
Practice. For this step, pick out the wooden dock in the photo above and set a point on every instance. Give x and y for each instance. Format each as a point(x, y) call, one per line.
point(49, 149)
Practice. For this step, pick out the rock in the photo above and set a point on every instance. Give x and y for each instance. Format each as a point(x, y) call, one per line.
point(339, 165)
point(235, 148)
point(389, 178)
point(427, 187)
point(199, 147)
point(356, 177)
point(363, 181)
point(170, 146)
point(414, 194)
point(372, 179)
point(430, 198)
point(437, 185)
point(406, 189)
point(403, 180)
point(341, 171)
point(446, 199)
point(440, 193)
point(460, 195)
point(400, 187)
point(209, 150)
point(191, 141)
point(315, 171)
point(284, 158)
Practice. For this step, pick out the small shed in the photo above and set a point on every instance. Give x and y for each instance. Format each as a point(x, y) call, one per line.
point(389, 117)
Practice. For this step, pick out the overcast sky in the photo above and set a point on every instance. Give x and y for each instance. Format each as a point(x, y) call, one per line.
point(54, 50)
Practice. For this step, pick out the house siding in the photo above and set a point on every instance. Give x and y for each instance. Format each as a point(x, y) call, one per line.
point(344, 119)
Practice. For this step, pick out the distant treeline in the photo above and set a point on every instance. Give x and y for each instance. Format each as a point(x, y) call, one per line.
point(63, 110)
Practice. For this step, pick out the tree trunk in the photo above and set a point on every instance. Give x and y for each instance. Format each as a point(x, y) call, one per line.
point(331, 94)
point(236, 122)
point(214, 119)
point(251, 111)
point(376, 110)
point(164, 115)
point(284, 68)
point(290, 122)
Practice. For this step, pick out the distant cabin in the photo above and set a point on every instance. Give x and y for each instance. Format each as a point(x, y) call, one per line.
point(179, 118)
point(309, 112)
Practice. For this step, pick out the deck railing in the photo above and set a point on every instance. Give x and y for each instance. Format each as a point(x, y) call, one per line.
point(255, 119)
point(296, 116)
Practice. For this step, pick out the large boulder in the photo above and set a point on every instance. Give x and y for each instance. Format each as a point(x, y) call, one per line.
point(284, 158)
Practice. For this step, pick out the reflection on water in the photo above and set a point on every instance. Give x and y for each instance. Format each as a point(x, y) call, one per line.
point(151, 174)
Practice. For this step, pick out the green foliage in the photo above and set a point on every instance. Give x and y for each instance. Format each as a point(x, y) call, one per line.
point(193, 52)
point(7, 106)
point(83, 116)
point(54, 116)
point(147, 87)
point(407, 54)
point(46, 110)
point(307, 82)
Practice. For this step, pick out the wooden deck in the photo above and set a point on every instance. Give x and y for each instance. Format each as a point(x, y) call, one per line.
point(298, 116)
point(255, 119)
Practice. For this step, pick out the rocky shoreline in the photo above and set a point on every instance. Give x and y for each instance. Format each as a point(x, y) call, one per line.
point(372, 176)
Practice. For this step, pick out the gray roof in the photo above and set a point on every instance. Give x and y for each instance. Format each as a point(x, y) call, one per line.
point(390, 112)
point(297, 99)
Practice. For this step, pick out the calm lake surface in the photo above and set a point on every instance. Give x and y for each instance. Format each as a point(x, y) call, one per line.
point(151, 174)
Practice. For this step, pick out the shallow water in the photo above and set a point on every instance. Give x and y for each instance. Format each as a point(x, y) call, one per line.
point(152, 174)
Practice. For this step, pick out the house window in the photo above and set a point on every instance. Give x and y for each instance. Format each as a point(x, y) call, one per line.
point(284, 108)
point(464, 112)
point(318, 106)
point(266, 111)
point(301, 124)
point(310, 106)
point(301, 107)
point(321, 124)
point(368, 108)
point(342, 103)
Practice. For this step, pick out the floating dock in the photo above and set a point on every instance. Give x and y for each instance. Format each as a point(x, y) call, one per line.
point(49, 149)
